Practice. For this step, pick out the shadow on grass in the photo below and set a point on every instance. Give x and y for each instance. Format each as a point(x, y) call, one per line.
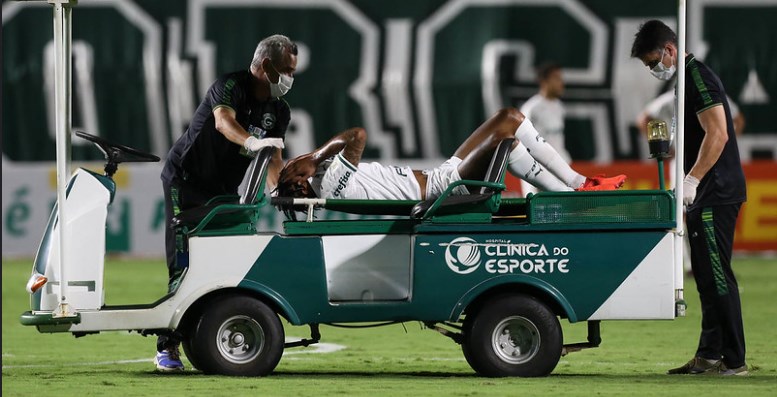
point(754, 378)
point(324, 374)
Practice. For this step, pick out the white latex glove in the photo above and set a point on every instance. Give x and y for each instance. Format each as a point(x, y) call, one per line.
point(690, 183)
point(254, 144)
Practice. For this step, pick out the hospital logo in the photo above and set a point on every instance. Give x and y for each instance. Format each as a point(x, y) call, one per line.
point(268, 121)
point(463, 255)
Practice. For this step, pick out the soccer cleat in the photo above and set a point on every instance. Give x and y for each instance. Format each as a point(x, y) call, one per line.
point(600, 182)
point(594, 188)
point(616, 180)
point(738, 371)
point(697, 366)
point(168, 360)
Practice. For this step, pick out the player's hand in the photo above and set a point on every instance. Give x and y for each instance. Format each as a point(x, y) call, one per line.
point(254, 144)
point(298, 169)
point(690, 183)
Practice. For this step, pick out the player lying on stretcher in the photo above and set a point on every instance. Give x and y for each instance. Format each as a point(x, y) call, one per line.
point(335, 170)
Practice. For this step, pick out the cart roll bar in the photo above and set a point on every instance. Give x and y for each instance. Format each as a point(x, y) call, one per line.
point(255, 177)
point(680, 157)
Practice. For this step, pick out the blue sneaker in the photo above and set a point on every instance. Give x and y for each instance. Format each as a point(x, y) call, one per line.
point(168, 360)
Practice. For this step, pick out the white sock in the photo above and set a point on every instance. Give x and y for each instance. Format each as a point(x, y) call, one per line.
point(524, 166)
point(547, 155)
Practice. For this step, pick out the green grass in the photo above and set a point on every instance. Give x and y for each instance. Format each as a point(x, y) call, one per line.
point(388, 361)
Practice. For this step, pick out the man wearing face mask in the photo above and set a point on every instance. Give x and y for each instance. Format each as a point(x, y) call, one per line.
point(242, 112)
point(714, 190)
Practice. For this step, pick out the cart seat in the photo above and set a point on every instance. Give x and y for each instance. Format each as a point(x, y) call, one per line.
point(494, 174)
point(253, 185)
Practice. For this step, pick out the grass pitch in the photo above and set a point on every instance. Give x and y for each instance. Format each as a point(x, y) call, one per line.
point(394, 360)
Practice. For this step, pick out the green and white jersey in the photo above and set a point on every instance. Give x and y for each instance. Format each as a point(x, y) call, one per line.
point(337, 178)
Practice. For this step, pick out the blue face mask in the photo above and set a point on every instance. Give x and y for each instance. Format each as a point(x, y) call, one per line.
point(662, 72)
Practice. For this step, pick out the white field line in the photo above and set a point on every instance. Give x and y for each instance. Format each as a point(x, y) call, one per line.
point(314, 349)
point(318, 348)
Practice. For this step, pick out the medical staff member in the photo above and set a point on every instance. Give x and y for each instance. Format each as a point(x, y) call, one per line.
point(713, 192)
point(242, 112)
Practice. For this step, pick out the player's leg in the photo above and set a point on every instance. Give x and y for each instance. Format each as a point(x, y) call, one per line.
point(547, 156)
point(524, 166)
point(531, 160)
point(478, 149)
point(487, 136)
point(527, 188)
point(551, 160)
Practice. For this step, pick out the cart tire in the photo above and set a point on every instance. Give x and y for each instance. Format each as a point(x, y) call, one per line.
point(238, 336)
point(512, 335)
point(188, 343)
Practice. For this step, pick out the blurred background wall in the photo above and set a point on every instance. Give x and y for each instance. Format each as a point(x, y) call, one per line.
point(420, 75)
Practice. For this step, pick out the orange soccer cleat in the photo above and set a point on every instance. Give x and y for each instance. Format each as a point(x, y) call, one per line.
point(600, 182)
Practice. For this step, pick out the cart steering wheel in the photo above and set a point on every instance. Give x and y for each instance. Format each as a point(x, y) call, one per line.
point(116, 154)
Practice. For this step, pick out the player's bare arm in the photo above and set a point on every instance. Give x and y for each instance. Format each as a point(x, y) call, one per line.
point(351, 142)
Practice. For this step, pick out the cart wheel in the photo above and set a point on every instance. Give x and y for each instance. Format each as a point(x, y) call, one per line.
point(238, 336)
point(188, 343)
point(512, 335)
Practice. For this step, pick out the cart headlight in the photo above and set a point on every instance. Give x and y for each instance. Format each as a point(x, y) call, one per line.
point(658, 139)
point(36, 281)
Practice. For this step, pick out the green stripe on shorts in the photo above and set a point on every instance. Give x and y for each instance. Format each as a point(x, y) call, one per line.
point(712, 250)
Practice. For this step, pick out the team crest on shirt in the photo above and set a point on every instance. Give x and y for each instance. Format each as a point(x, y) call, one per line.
point(268, 121)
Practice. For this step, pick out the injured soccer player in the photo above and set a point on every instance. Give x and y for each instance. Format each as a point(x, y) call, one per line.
point(335, 170)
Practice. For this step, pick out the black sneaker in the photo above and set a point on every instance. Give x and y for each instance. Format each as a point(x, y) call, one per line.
point(697, 366)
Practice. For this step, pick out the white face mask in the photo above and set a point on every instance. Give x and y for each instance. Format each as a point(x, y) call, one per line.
point(283, 85)
point(662, 72)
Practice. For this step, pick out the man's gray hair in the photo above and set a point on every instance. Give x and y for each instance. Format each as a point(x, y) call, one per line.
point(272, 47)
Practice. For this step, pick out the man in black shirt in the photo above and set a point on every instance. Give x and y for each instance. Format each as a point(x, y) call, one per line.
point(241, 113)
point(714, 190)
